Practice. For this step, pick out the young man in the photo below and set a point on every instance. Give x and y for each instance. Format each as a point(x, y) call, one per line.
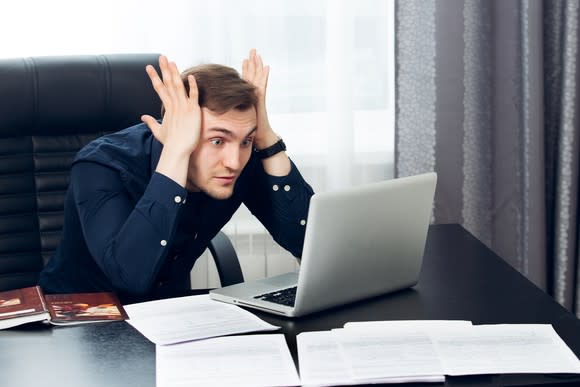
point(144, 203)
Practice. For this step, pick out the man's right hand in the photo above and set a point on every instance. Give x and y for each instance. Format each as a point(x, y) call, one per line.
point(180, 127)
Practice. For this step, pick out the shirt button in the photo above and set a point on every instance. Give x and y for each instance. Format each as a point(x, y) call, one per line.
point(163, 242)
point(286, 188)
point(275, 187)
point(177, 199)
point(302, 222)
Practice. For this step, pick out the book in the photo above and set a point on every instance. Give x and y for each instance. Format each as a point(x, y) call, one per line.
point(26, 305)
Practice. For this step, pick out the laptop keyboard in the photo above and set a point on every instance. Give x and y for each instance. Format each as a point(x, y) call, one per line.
point(283, 297)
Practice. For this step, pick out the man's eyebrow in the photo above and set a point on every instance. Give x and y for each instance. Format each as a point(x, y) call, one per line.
point(252, 131)
point(229, 133)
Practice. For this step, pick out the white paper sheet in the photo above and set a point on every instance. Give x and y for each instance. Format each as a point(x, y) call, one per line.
point(408, 324)
point(495, 349)
point(254, 360)
point(320, 360)
point(176, 320)
point(379, 354)
point(321, 363)
point(458, 348)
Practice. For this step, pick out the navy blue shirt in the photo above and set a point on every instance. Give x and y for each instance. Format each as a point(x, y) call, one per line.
point(134, 231)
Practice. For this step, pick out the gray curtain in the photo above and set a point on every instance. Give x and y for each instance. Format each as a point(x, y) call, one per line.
point(486, 95)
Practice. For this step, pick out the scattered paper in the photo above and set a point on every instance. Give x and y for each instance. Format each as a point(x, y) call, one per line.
point(408, 324)
point(388, 354)
point(321, 363)
point(181, 319)
point(256, 360)
point(502, 348)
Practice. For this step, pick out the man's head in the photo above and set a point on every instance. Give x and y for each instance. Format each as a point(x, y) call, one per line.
point(228, 122)
point(220, 88)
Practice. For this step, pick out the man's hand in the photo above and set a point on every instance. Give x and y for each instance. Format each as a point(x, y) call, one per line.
point(254, 72)
point(180, 127)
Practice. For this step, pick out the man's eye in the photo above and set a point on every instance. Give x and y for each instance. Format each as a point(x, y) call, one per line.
point(216, 141)
point(247, 142)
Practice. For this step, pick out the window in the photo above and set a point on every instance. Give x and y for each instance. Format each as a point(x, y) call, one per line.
point(331, 85)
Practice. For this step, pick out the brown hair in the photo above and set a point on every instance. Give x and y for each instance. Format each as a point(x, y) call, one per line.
point(220, 88)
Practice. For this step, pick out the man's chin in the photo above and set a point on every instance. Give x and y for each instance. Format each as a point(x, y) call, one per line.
point(219, 194)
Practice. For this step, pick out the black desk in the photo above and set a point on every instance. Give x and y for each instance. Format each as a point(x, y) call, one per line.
point(461, 279)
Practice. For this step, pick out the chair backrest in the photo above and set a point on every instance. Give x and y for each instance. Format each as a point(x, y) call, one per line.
point(49, 108)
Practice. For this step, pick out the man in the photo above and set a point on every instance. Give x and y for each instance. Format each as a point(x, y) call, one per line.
point(144, 203)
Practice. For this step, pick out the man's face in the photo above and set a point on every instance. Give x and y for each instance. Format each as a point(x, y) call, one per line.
point(224, 148)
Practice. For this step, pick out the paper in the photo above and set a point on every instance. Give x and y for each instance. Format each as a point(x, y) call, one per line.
point(176, 320)
point(385, 349)
point(321, 363)
point(256, 360)
point(320, 360)
point(389, 353)
point(407, 324)
point(495, 349)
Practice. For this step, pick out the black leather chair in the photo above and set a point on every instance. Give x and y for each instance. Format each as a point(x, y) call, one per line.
point(49, 108)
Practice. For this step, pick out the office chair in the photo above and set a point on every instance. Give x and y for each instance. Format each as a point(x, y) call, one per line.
point(49, 108)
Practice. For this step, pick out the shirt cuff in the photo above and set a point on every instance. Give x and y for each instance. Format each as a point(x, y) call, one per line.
point(165, 191)
point(290, 184)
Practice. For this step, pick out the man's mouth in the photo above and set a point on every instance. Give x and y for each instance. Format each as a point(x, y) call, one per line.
point(226, 179)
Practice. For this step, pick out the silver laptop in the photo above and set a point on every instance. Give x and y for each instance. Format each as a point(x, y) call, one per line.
point(360, 242)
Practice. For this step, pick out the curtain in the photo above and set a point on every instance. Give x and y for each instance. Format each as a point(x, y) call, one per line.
point(487, 97)
point(329, 93)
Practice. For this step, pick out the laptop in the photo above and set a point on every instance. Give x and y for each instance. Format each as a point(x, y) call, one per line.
point(360, 242)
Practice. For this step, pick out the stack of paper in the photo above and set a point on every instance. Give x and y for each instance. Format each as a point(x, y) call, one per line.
point(426, 351)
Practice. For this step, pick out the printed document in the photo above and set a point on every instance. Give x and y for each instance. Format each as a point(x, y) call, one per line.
point(502, 348)
point(176, 320)
point(386, 349)
point(390, 353)
point(322, 363)
point(254, 360)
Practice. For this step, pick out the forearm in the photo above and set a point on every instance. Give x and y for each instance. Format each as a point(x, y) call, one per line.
point(278, 164)
point(174, 164)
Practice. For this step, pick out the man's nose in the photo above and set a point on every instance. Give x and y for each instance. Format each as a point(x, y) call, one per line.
point(232, 157)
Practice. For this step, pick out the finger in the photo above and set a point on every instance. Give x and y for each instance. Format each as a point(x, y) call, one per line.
point(165, 71)
point(172, 81)
point(157, 84)
point(193, 92)
point(175, 76)
point(265, 75)
point(153, 125)
point(245, 69)
point(177, 88)
point(166, 80)
point(252, 65)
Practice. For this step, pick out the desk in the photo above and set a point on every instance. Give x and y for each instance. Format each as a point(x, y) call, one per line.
point(461, 279)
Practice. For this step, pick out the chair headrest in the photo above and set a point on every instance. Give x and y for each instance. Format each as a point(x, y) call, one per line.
point(75, 94)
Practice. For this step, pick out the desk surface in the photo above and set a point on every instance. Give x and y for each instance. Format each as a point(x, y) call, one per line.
point(461, 279)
